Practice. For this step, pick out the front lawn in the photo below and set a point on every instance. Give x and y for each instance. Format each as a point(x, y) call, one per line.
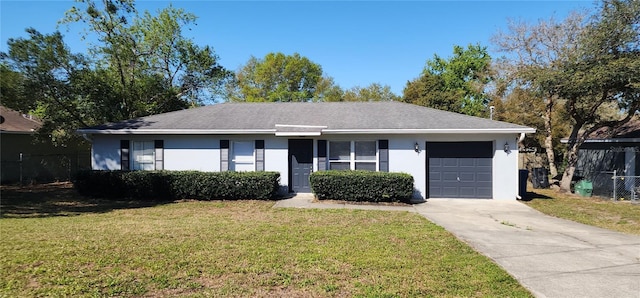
point(622, 216)
point(239, 248)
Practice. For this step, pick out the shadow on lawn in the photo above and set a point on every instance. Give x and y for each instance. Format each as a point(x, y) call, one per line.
point(536, 196)
point(57, 199)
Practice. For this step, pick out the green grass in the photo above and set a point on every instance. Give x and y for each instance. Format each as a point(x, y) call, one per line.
point(57, 244)
point(618, 216)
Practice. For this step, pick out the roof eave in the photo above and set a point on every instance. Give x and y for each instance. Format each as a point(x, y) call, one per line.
point(16, 132)
point(175, 131)
point(429, 131)
point(298, 134)
point(288, 133)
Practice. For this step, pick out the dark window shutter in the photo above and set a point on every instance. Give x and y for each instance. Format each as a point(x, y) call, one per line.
point(259, 155)
point(322, 155)
point(159, 148)
point(224, 155)
point(124, 155)
point(383, 152)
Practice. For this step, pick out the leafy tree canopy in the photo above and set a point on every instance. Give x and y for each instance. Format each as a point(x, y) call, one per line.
point(456, 84)
point(276, 78)
point(137, 66)
point(587, 70)
point(328, 90)
point(373, 92)
point(604, 70)
point(523, 106)
point(536, 51)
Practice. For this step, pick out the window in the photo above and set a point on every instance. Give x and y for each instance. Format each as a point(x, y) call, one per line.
point(365, 155)
point(353, 155)
point(339, 155)
point(242, 155)
point(242, 158)
point(143, 157)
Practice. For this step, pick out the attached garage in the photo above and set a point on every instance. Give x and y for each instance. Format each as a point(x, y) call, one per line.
point(460, 169)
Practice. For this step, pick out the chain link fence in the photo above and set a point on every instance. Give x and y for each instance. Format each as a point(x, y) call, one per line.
point(625, 188)
point(601, 183)
point(41, 168)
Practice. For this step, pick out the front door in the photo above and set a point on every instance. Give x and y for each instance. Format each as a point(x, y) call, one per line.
point(300, 165)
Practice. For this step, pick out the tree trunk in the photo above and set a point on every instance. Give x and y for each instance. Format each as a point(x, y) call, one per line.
point(548, 140)
point(572, 160)
point(571, 156)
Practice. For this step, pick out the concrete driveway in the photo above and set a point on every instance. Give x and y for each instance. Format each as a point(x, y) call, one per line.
point(551, 257)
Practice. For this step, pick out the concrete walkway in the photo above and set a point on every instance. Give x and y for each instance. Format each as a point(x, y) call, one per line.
point(551, 257)
point(306, 201)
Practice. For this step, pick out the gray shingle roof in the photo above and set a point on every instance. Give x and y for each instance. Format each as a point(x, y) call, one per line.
point(308, 117)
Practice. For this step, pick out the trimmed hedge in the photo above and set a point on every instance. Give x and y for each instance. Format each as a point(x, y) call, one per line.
point(175, 185)
point(362, 186)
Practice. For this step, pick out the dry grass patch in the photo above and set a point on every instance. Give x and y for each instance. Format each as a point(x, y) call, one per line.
point(622, 216)
point(243, 248)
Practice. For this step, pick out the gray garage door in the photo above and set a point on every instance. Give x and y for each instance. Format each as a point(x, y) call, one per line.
point(460, 169)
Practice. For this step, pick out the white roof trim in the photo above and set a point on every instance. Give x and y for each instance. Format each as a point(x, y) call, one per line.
point(176, 131)
point(301, 126)
point(429, 131)
point(301, 133)
point(298, 134)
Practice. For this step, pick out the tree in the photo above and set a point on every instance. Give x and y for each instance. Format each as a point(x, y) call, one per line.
point(45, 72)
point(276, 78)
point(536, 51)
point(523, 106)
point(139, 65)
point(459, 82)
point(373, 92)
point(430, 91)
point(149, 51)
point(11, 91)
point(284, 78)
point(327, 90)
point(604, 70)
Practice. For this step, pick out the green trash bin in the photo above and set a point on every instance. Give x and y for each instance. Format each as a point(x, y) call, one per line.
point(584, 188)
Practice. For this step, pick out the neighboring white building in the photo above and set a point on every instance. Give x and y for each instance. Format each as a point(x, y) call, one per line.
point(449, 155)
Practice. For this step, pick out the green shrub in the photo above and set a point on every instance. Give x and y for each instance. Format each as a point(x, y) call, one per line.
point(362, 186)
point(171, 185)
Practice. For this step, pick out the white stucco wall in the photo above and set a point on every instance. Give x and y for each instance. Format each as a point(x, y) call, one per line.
point(276, 157)
point(105, 153)
point(403, 158)
point(505, 168)
point(190, 152)
point(201, 152)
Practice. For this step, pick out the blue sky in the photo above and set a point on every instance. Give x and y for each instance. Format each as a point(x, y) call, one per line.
point(356, 42)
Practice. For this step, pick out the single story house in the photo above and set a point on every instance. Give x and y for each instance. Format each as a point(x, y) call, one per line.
point(450, 155)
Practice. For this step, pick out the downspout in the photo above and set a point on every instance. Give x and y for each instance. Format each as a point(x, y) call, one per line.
point(520, 139)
